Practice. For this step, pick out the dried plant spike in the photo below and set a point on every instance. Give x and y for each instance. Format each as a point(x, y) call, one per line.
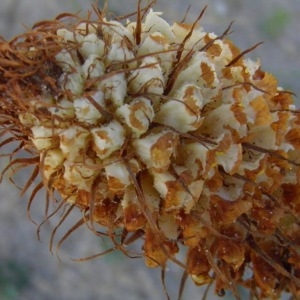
point(165, 133)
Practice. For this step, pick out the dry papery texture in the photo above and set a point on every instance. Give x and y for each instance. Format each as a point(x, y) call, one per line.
point(160, 133)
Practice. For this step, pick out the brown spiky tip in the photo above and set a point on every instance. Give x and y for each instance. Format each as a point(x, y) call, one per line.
point(160, 133)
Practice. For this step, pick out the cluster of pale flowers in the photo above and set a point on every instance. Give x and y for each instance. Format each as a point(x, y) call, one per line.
point(159, 128)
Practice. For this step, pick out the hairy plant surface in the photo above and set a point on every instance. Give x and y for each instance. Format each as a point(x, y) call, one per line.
point(164, 133)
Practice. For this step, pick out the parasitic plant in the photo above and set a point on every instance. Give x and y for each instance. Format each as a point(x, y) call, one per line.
point(161, 133)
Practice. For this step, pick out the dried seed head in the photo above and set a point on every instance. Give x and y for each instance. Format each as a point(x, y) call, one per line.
point(166, 132)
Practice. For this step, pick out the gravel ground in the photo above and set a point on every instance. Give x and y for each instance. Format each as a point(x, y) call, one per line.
point(27, 268)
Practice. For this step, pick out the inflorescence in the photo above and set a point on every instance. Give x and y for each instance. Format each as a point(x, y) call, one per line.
point(165, 133)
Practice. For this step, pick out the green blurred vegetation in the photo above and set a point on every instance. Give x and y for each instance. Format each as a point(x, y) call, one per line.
point(275, 23)
point(13, 278)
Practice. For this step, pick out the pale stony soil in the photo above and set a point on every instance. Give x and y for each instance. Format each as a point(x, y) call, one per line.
point(27, 269)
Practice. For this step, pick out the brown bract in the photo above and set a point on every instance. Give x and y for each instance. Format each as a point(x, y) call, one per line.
point(161, 133)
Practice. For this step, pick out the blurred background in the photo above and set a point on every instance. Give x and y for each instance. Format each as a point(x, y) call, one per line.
point(27, 268)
